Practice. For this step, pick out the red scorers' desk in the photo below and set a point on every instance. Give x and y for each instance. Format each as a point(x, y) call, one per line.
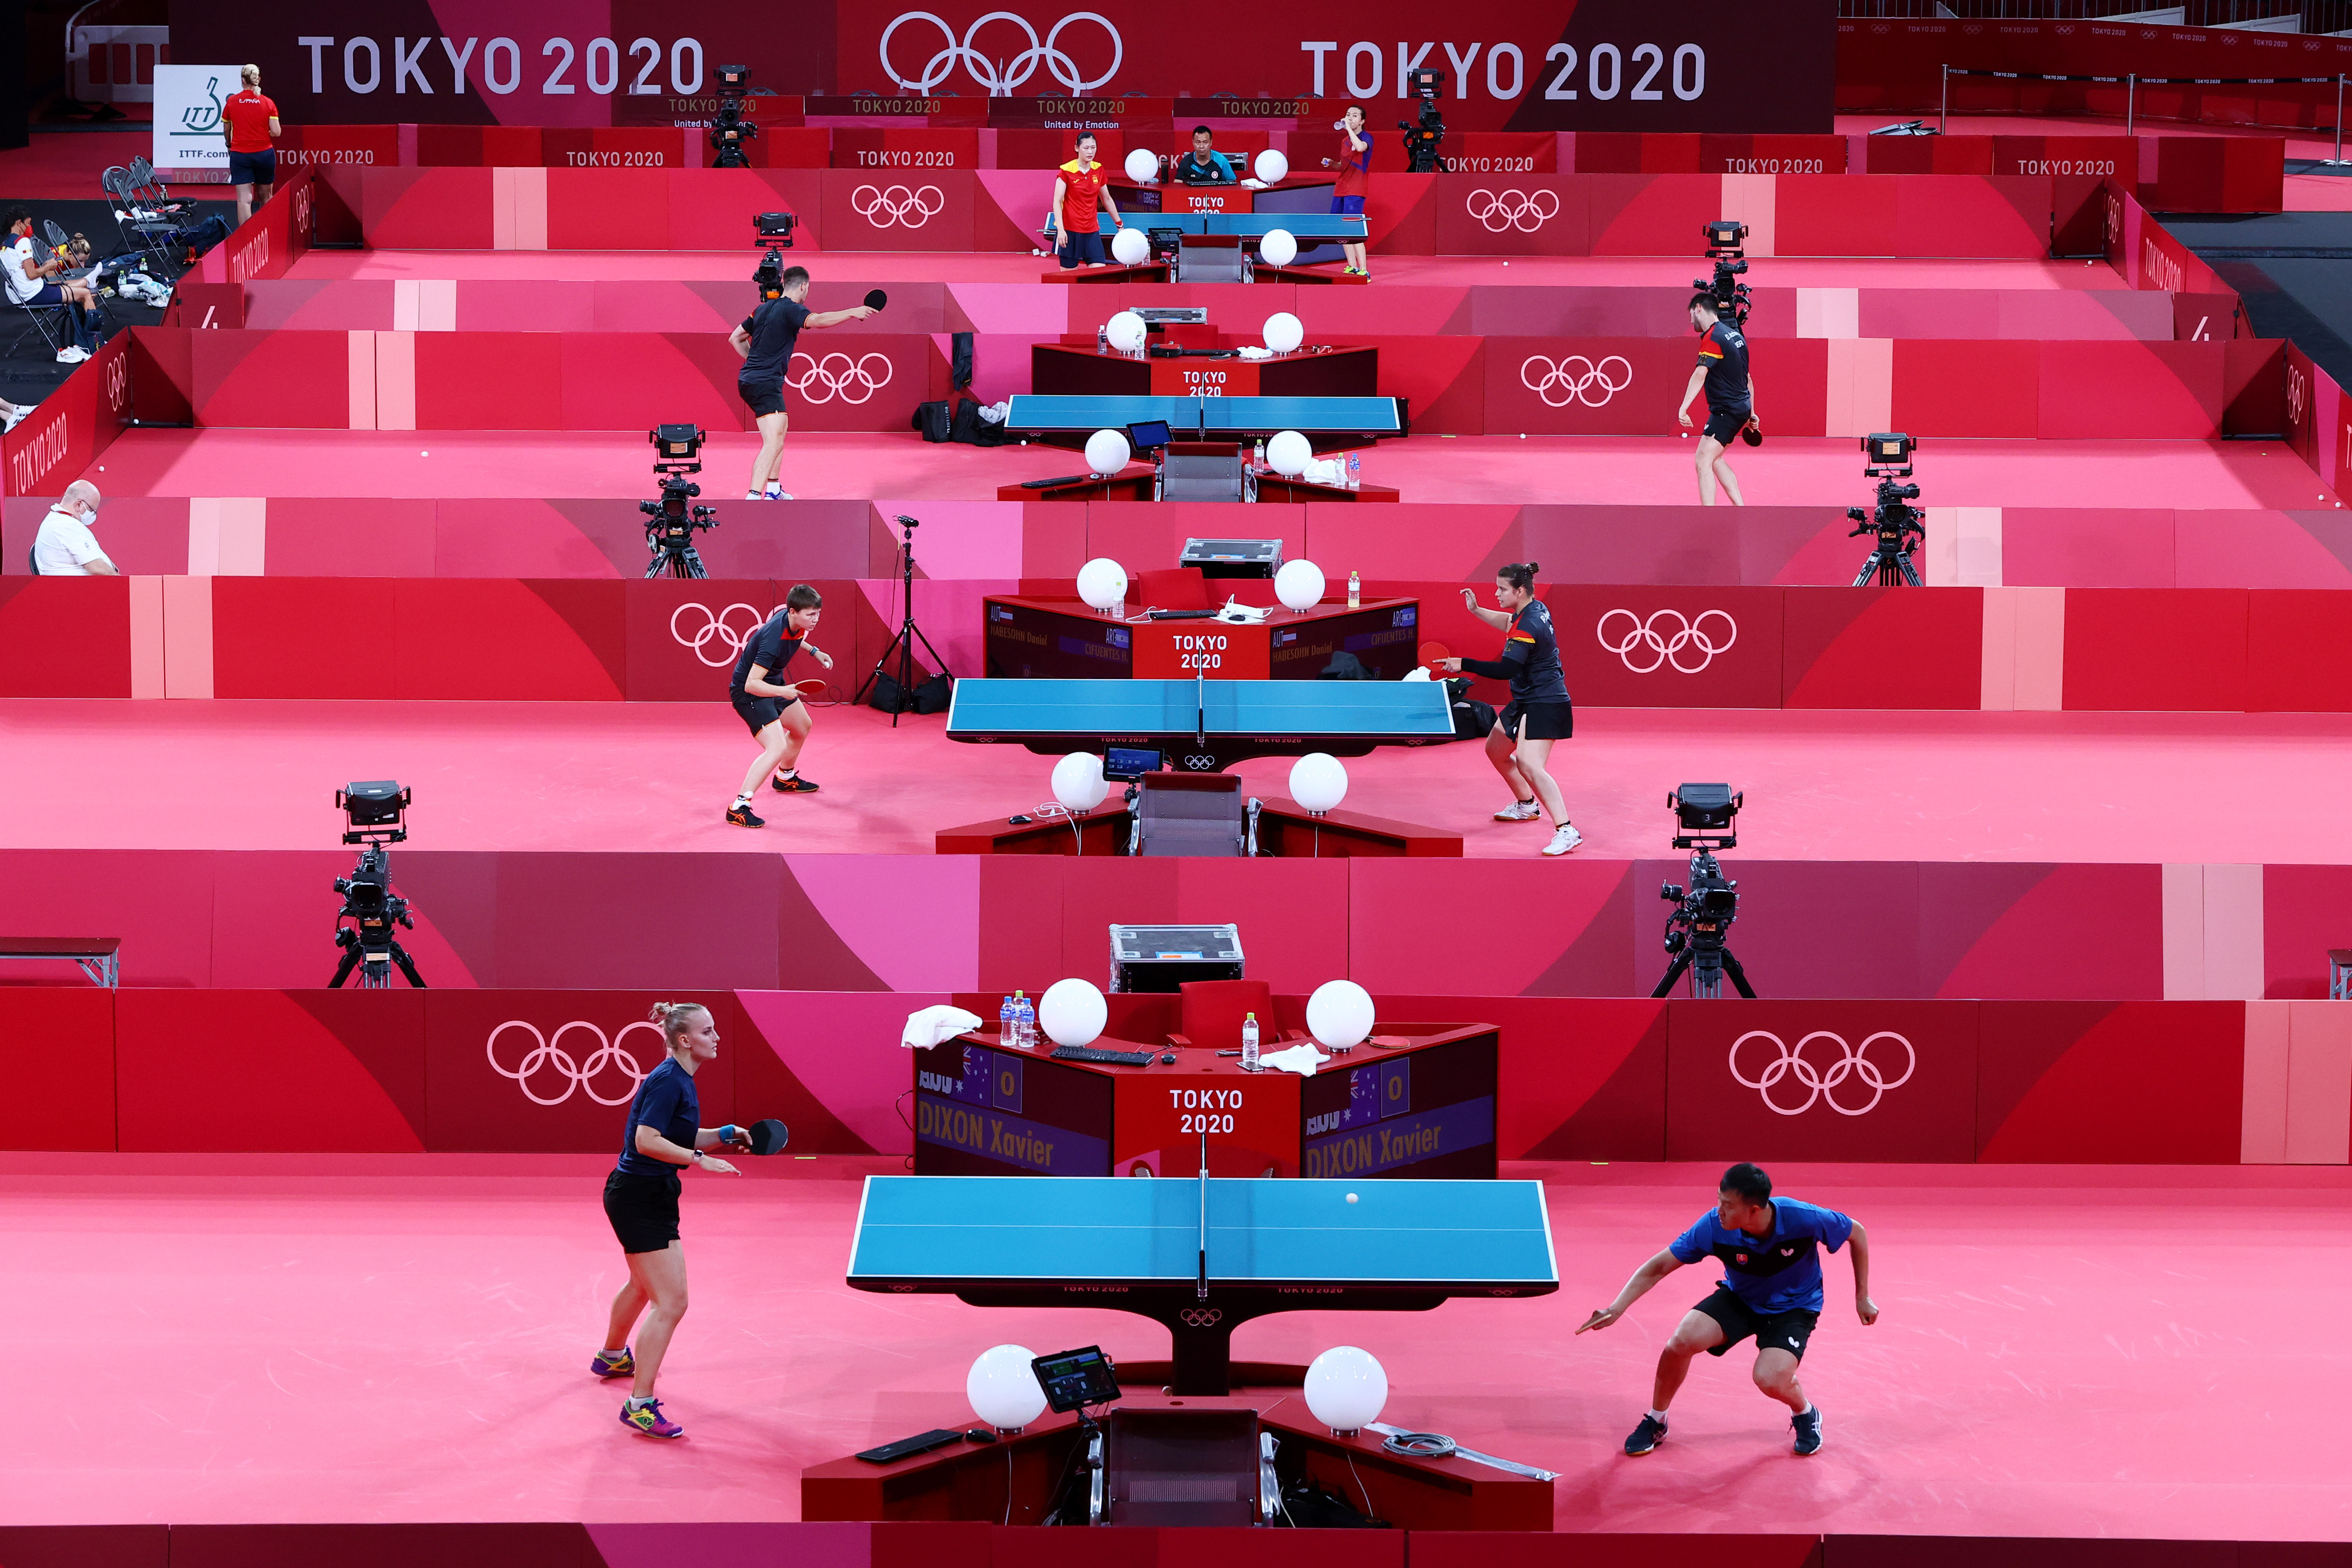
point(1423, 1108)
point(1042, 638)
point(1284, 828)
point(1074, 369)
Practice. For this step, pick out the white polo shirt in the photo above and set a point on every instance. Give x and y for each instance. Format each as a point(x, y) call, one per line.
point(65, 546)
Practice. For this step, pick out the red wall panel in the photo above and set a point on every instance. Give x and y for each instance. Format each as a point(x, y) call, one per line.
point(605, 209)
point(2298, 646)
point(488, 381)
point(2111, 1083)
point(245, 376)
point(425, 209)
point(1584, 386)
point(1653, 215)
point(711, 209)
point(1637, 647)
point(635, 381)
point(486, 638)
point(2093, 389)
point(226, 1071)
point(57, 1049)
point(1967, 388)
point(267, 632)
point(887, 209)
point(1513, 215)
point(2137, 649)
point(1883, 647)
point(1954, 215)
point(65, 636)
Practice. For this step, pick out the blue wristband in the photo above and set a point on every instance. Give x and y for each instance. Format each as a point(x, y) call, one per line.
point(727, 1134)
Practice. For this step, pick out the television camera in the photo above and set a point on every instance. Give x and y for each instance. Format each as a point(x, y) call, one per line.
point(1725, 237)
point(1423, 135)
point(729, 130)
point(671, 519)
point(372, 816)
point(1892, 518)
point(1706, 906)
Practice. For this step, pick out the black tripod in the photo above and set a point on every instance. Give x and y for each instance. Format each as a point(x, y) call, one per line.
point(1889, 561)
point(371, 948)
point(1698, 929)
point(674, 557)
point(900, 696)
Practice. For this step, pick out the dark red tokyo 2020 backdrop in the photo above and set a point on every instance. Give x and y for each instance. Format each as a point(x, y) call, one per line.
point(1526, 65)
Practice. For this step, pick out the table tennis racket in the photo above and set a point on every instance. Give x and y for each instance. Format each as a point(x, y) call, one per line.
point(1752, 436)
point(1430, 652)
point(811, 688)
point(769, 1137)
point(875, 300)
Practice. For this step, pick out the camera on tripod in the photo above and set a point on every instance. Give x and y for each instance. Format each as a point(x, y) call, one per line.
point(1423, 135)
point(1706, 906)
point(671, 520)
point(372, 816)
point(773, 230)
point(1896, 523)
point(729, 130)
point(1725, 237)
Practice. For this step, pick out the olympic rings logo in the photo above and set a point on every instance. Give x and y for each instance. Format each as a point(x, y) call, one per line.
point(1526, 211)
point(1202, 1317)
point(998, 79)
point(1820, 1085)
point(1576, 387)
point(839, 376)
point(888, 205)
point(1689, 631)
point(715, 629)
point(548, 1056)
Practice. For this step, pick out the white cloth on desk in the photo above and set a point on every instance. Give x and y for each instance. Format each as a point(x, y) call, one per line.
point(933, 1026)
point(1302, 1059)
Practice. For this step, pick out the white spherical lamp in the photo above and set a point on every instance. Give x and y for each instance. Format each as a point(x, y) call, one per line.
point(1282, 331)
point(1130, 247)
point(1318, 782)
point(1125, 330)
point(1346, 1388)
point(1102, 582)
point(1003, 1387)
point(1340, 1014)
point(1278, 247)
point(1272, 166)
point(1078, 782)
point(1299, 585)
point(1073, 1013)
point(1141, 164)
point(1289, 453)
point(1106, 451)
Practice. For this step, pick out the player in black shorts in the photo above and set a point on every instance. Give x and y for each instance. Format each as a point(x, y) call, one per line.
point(1722, 369)
point(1538, 713)
point(773, 711)
point(765, 340)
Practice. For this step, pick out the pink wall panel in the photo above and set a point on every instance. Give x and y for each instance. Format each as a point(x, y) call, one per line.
point(364, 536)
point(1145, 536)
point(2088, 547)
point(1585, 943)
point(1990, 929)
point(2262, 549)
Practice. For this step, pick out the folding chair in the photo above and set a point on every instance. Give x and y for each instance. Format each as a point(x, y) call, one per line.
point(146, 233)
point(53, 323)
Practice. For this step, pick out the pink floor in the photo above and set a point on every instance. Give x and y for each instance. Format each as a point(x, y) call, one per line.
point(603, 776)
point(1619, 469)
point(2063, 1352)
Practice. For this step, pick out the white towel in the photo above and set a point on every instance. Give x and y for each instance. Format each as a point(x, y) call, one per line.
point(1302, 1059)
point(933, 1026)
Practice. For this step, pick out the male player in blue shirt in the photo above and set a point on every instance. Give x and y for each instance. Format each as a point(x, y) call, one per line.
point(1771, 1287)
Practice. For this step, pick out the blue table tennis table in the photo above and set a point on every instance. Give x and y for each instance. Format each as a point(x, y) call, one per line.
point(1205, 725)
point(1202, 1257)
point(1206, 418)
point(1302, 227)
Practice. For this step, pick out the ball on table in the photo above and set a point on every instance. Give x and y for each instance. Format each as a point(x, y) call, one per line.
point(1141, 164)
point(1271, 166)
point(1278, 247)
point(1125, 329)
point(1351, 1198)
point(1107, 451)
point(1283, 333)
point(1289, 453)
point(1128, 247)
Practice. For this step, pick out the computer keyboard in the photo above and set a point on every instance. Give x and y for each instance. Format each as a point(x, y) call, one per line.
point(1099, 1056)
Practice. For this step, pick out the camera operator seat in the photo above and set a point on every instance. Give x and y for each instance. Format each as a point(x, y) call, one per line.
point(1209, 258)
point(1184, 1468)
point(1202, 470)
point(1200, 815)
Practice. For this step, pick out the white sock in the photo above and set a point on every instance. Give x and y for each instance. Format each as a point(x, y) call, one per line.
point(750, 494)
point(775, 488)
point(1659, 1416)
point(742, 800)
point(1808, 1410)
point(636, 1404)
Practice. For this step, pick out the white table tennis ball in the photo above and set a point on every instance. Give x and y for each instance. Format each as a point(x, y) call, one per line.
point(1351, 1198)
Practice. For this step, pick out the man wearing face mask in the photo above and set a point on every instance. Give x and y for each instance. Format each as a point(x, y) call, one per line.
point(65, 547)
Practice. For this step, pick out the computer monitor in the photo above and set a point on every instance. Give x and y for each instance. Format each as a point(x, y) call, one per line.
point(1149, 436)
point(1128, 764)
point(1074, 1379)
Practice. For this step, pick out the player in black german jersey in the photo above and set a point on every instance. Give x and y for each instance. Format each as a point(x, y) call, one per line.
point(1538, 713)
point(771, 709)
point(1722, 369)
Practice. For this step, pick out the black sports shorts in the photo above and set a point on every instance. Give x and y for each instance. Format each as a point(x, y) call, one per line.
point(1724, 425)
point(761, 399)
point(1774, 1331)
point(759, 712)
point(643, 1209)
point(252, 168)
point(1545, 721)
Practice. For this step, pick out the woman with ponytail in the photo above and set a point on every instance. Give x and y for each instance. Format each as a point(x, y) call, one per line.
point(662, 1138)
point(1539, 712)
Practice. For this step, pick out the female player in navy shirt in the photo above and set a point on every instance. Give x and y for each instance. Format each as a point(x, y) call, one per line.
point(641, 1200)
point(1771, 1249)
point(1519, 745)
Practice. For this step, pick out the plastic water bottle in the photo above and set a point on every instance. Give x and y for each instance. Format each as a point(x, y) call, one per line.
point(1257, 458)
point(1005, 1021)
point(1355, 471)
point(1355, 590)
point(1102, 339)
point(1249, 1043)
point(1024, 1020)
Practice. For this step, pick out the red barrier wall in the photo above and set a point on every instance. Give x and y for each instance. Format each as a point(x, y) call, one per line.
point(72, 426)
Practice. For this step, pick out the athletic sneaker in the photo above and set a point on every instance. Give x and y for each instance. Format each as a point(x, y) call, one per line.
point(1809, 1430)
point(73, 353)
point(1646, 1436)
point(1566, 839)
point(792, 785)
point(13, 418)
point(743, 817)
point(622, 1365)
point(1519, 811)
point(648, 1419)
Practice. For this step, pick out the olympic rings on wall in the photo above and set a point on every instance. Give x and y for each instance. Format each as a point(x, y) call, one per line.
point(1658, 648)
point(1819, 1084)
point(998, 81)
point(715, 629)
point(886, 207)
point(547, 1055)
point(839, 376)
point(1502, 211)
point(1575, 386)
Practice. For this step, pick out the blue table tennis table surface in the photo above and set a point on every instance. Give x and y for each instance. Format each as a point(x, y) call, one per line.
point(1369, 415)
point(1252, 225)
point(1082, 1228)
point(1410, 708)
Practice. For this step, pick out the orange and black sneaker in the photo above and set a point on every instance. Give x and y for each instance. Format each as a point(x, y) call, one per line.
point(792, 785)
point(741, 816)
